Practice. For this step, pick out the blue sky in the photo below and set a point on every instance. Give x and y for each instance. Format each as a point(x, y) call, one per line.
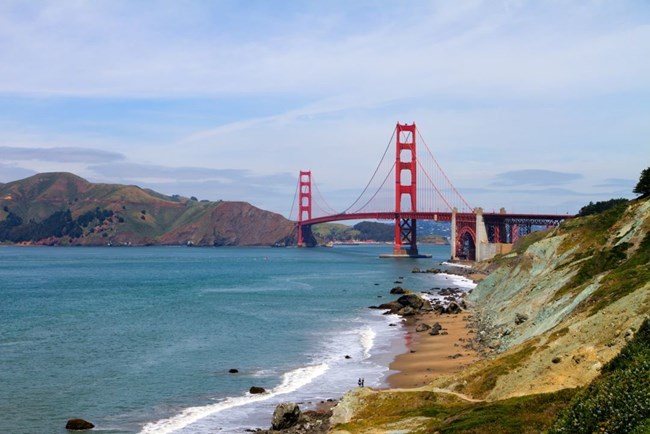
point(536, 106)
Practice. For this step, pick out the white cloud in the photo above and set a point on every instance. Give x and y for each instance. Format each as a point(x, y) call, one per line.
point(493, 86)
point(477, 49)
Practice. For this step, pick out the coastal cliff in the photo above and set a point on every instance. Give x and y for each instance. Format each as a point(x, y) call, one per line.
point(552, 317)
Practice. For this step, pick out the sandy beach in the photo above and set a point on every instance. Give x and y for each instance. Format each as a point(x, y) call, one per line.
point(430, 356)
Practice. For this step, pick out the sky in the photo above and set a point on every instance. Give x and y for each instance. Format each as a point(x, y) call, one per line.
point(535, 106)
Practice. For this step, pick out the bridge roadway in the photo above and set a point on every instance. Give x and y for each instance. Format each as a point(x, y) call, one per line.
point(535, 219)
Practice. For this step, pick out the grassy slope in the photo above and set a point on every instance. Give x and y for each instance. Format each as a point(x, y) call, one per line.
point(618, 401)
point(428, 412)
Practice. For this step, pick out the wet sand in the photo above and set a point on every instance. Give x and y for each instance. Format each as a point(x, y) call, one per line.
point(430, 356)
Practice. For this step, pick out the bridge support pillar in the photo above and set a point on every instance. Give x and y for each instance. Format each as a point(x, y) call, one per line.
point(405, 237)
point(481, 237)
point(452, 242)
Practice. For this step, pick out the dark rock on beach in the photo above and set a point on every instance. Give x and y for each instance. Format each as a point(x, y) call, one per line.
point(407, 311)
point(453, 308)
point(412, 300)
point(422, 327)
point(285, 416)
point(435, 329)
point(288, 419)
point(78, 425)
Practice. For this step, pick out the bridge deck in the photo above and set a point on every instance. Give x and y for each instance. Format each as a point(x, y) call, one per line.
point(536, 219)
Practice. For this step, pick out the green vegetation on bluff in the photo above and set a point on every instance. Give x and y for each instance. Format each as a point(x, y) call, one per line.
point(598, 207)
point(428, 412)
point(618, 401)
point(643, 186)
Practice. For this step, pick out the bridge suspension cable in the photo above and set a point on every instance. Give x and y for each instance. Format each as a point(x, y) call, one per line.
point(373, 177)
point(293, 202)
point(328, 209)
point(465, 207)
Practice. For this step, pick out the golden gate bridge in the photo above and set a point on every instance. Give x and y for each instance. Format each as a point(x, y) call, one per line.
point(414, 187)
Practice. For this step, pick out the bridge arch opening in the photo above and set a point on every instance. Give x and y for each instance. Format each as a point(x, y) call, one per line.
point(406, 155)
point(466, 245)
point(405, 178)
point(406, 136)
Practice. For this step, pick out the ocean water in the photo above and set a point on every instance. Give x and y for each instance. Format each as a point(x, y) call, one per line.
point(140, 340)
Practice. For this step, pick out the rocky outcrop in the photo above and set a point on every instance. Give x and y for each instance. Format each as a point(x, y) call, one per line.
point(288, 419)
point(285, 416)
point(412, 304)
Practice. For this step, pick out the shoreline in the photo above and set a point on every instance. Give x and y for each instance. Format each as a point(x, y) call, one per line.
point(430, 356)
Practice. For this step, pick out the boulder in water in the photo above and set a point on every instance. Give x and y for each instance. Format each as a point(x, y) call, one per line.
point(392, 306)
point(255, 390)
point(78, 425)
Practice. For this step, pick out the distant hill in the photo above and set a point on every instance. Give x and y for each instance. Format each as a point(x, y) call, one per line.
point(367, 231)
point(64, 209)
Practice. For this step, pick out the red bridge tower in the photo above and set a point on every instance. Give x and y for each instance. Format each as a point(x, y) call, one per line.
point(304, 204)
point(405, 184)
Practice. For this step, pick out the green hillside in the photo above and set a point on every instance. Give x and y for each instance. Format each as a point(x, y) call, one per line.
point(64, 209)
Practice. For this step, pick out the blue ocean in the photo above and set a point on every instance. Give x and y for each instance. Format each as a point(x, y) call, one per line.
point(140, 340)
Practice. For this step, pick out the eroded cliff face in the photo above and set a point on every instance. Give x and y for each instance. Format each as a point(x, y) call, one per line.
point(555, 310)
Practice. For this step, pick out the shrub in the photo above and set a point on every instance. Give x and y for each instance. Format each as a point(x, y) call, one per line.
point(643, 186)
point(598, 207)
point(619, 400)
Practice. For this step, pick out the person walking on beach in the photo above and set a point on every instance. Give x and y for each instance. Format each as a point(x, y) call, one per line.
point(359, 382)
point(363, 380)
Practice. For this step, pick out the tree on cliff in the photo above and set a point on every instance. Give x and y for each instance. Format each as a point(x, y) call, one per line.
point(643, 187)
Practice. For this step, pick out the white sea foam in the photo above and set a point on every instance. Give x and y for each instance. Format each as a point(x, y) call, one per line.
point(452, 264)
point(291, 381)
point(367, 337)
point(460, 281)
